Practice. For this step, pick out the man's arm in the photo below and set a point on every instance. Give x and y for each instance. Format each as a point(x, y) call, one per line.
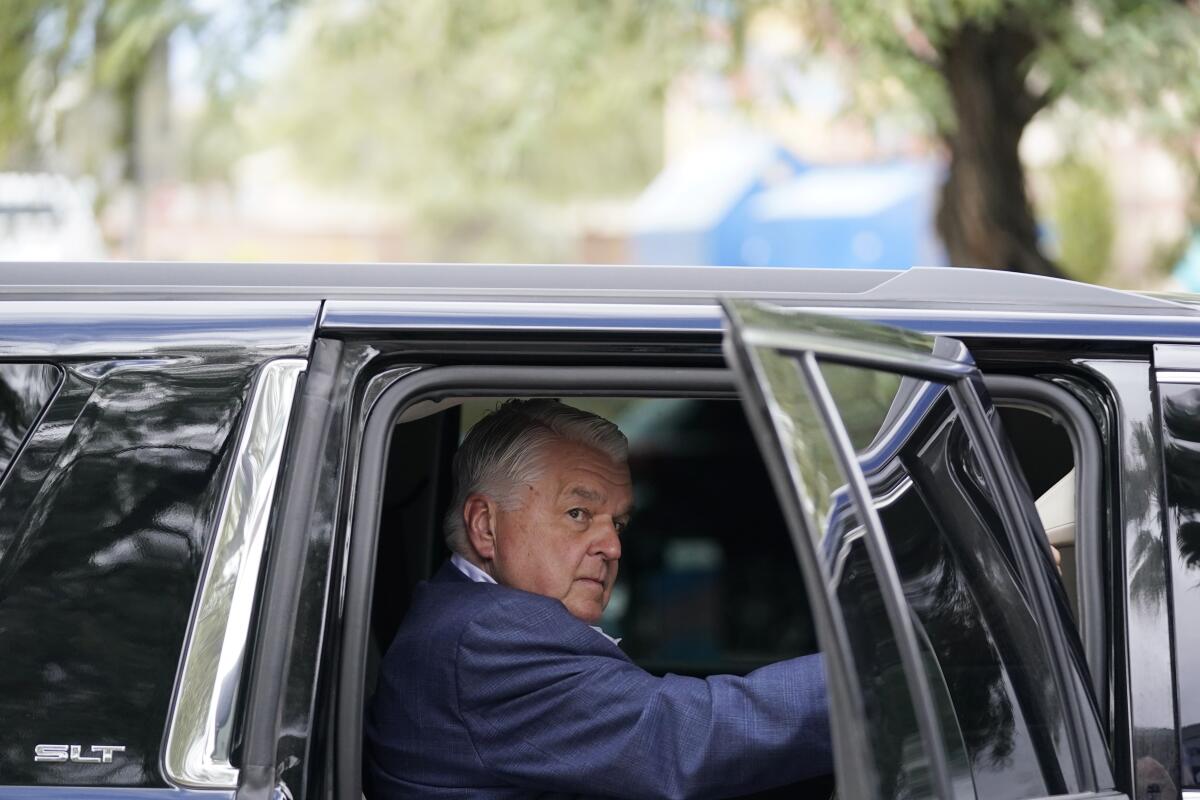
point(549, 704)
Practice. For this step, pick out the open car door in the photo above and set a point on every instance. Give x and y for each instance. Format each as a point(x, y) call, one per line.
point(952, 667)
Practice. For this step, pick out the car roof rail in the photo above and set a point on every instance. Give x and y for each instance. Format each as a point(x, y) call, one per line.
point(915, 287)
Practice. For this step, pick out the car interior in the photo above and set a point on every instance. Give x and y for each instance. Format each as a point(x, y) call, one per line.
point(709, 581)
point(1043, 450)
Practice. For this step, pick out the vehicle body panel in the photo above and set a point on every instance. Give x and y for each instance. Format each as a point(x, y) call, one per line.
point(127, 335)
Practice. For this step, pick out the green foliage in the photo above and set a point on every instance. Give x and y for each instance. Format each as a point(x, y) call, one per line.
point(462, 108)
point(60, 57)
point(1082, 212)
point(103, 46)
point(18, 49)
point(1110, 56)
point(479, 115)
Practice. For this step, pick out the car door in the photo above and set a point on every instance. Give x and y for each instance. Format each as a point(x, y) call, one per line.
point(952, 668)
point(1175, 596)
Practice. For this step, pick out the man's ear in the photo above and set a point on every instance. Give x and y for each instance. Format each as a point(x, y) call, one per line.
point(479, 516)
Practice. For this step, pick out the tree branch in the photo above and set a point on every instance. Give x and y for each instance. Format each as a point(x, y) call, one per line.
point(915, 41)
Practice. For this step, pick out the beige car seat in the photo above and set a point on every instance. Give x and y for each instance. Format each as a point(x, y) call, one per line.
point(1057, 510)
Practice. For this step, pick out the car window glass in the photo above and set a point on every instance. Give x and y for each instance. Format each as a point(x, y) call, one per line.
point(900, 759)
point(25, 389)
point(111, 500)
point(983, 655)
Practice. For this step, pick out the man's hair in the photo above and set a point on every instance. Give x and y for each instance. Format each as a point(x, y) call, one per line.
point(504, 451)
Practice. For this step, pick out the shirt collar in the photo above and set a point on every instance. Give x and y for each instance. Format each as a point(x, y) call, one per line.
point(479, 576)
point(470, 570)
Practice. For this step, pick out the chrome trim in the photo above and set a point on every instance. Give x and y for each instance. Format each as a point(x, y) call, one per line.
point(1176, 357)
point(199, 735)
point(339, 313)
point(690, 316)
point(863, 352)
point(1191, 794)
point(166, 329)
point(1177, 376)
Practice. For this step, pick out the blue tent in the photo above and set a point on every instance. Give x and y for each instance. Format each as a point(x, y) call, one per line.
point(748, 201)
point(864, 216)
point(697, 210)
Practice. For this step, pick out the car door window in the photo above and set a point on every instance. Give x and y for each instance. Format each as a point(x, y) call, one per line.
point(1003, 707)
point(901, 757)
point(950, 549)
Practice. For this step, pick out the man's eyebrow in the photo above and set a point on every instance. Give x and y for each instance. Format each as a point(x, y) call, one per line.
point(594, 497)
point(586, 494)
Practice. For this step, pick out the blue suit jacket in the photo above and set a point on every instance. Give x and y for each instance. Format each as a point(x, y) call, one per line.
point(492, 692)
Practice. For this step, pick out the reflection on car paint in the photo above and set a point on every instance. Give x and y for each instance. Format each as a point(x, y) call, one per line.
point(1143, 632)
point(995, 718)
point(110, 508)
point(1180, 406)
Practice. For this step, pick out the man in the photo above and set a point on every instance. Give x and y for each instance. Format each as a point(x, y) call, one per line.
point(498, 685)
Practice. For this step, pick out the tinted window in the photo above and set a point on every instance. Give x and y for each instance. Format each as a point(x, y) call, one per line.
point(986, 659)
point(900, 757)
point(104, 519)
point(25, 389)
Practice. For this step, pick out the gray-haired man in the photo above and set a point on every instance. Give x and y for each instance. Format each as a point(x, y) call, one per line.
point(497, 686)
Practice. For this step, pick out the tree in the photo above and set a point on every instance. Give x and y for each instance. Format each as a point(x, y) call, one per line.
point(85, 86)
point(473, 112)
point(60, 58)
point(480, 115)
point(982, 69)
point(62, 53)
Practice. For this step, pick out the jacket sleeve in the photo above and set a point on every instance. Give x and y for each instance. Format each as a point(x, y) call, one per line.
point(549, 704)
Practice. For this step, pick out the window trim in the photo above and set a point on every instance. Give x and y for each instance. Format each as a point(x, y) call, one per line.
point(947, 361)
point(1052, 400)
point(431, 384)
point(198, 745)
point(1032, 564)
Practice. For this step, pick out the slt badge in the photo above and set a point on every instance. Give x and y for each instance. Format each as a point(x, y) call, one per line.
point(100, 753)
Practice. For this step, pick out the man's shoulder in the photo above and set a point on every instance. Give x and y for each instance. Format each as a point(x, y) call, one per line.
point(448, 607)
point(453, 618)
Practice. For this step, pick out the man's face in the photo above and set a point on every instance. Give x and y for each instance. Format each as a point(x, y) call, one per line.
point(562, 536)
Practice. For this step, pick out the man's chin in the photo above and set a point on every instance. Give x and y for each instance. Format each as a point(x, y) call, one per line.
point(586, 611)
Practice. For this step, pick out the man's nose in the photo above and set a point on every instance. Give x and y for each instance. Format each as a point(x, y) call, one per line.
point(607, 542)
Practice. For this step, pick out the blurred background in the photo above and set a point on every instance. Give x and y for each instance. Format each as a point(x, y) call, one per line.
point(1054, 137)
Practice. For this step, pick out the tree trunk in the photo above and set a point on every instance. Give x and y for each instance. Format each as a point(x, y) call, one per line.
point(985, 218)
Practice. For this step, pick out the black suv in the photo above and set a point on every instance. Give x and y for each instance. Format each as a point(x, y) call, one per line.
point(221, 482)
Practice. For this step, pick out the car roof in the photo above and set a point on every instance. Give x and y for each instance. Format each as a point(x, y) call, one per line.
point(919, 287)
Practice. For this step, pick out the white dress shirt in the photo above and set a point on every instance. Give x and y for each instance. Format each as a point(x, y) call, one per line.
point(470, 570)
point(479, 576)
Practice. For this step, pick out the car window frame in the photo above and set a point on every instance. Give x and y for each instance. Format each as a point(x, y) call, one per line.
point(411, 386)
point(1064, 408)
point(808, 337)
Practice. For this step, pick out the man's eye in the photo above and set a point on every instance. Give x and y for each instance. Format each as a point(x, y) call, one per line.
point(577, 513)
point(621, 525)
